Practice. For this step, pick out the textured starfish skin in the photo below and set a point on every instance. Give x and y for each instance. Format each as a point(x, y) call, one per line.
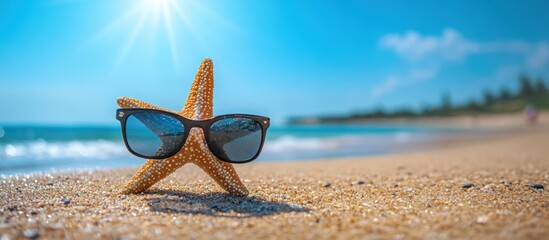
point(199, 106)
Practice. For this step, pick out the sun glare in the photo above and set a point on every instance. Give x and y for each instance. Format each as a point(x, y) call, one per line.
point(158, 3)
point(163, 15)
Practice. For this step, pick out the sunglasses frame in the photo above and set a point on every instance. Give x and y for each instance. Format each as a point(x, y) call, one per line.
point(122, 115)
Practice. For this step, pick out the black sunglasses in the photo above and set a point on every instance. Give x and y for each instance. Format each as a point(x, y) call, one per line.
point(156, 134)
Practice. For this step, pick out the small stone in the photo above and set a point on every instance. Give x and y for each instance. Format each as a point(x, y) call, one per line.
point(482, 219)
point(31, 234)
point(34, 212)
point(327, 184)
point(295, 206)
point(66, 201)
point(360, 182)
point(467, 185)
point(506, 182)
point(536, 186)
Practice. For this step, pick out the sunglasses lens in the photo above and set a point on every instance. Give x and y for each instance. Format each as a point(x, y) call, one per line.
point(154, 135)
point(236, 139)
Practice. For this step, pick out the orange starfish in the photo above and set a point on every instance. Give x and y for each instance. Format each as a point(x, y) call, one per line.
point(199, 106)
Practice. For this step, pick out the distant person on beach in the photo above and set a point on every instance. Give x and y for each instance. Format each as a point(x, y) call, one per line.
point(531, 114)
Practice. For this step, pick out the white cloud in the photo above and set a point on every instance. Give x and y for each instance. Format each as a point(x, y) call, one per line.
point(393, 82)
point(451, 45)
point(387, 86)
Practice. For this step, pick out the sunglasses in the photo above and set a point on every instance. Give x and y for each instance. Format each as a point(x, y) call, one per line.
point(157, 134)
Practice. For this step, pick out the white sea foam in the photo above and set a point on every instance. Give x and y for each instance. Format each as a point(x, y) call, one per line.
point(290, 143)
point(402, 137)
point(40, 149)
point(295, 144)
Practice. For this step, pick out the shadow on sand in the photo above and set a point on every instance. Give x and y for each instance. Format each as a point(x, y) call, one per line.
point(218, 204)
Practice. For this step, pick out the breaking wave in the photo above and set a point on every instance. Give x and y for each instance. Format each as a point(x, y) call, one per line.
point(41, 149)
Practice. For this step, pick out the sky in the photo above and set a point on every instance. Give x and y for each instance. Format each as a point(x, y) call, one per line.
point(66, 61)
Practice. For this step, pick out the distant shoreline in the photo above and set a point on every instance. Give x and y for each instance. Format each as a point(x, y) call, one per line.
point(505, 120)
point(530, 97)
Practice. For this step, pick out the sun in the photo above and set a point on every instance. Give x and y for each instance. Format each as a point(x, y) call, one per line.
point(158, 3)
point(163, 15)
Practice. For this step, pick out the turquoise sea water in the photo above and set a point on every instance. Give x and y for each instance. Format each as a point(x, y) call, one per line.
point(26, 149)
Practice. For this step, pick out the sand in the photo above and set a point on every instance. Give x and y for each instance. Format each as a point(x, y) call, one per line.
point(418, 195)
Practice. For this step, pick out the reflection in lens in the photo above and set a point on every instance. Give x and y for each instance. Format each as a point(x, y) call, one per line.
point(154, 134)
point(236, 139)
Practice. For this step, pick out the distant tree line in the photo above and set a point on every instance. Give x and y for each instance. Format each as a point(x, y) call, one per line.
point(530, 92)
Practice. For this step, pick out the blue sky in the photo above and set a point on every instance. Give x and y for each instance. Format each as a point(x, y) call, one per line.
point(66, 61)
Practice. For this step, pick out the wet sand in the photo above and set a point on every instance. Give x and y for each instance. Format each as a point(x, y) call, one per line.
point(472, 189)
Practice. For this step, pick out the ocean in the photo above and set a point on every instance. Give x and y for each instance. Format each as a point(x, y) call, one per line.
point(28, 149)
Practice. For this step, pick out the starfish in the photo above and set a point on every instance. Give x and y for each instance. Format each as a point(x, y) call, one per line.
point(199, 106)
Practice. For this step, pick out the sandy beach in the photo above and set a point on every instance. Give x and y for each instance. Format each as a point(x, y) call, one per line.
point(482, 189)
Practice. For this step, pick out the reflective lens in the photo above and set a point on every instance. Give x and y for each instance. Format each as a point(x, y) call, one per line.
point(236, 139)
point(154, 135)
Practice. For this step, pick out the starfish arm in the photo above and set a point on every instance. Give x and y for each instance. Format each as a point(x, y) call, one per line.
point(222, 172)
point(152, 172)
point(126, 102)
point(225, 175)
point(199, 103)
